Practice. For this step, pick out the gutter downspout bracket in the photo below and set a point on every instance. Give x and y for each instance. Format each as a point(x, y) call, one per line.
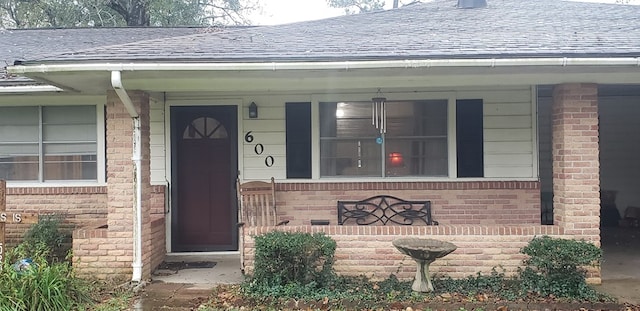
point(116, 82)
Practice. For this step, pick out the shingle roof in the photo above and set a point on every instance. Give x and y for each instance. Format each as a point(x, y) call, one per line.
point(23, 44)
point(505, 28)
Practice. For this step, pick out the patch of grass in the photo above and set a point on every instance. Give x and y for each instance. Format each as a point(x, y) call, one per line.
point(110, 296)
point(41, 285)
point(39, 280)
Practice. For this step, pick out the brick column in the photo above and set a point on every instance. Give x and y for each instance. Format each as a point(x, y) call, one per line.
point(576, 175)
point(121, 184)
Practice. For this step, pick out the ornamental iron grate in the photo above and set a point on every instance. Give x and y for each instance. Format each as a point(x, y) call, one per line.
point(384, 209)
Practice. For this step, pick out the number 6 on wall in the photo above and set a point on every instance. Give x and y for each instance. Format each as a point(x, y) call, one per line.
point(248, 137)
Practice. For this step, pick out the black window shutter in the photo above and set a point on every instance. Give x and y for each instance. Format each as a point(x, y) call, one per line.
point(298, 131)
point(470, 139)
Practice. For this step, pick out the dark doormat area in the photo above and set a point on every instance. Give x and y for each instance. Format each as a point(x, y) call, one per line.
point(180, 265)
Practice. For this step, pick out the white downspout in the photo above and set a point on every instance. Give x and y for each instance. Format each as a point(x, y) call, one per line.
point(116, 82)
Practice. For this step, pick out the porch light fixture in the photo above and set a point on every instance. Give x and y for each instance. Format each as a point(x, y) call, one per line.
point(379, 112)
point(253, 111)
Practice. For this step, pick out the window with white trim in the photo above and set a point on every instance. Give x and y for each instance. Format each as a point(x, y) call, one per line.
point(414, 141)
point(48, 143)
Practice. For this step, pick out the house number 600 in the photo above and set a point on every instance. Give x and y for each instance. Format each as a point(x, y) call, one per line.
point(259, 149)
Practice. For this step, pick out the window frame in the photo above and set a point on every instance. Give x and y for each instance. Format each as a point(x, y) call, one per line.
point(391, 96)
point(80, 100)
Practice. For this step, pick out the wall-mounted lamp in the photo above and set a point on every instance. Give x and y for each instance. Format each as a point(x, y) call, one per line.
point(253, 111)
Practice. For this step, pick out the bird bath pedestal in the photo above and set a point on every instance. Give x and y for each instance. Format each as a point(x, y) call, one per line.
point(424, 252)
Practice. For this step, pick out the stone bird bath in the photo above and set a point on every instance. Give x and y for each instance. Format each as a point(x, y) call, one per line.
point(424, 252)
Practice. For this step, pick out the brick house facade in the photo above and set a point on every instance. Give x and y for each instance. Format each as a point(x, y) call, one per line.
point(489, 221)
point(490, 216)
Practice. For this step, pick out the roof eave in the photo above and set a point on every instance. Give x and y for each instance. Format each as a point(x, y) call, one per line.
point(26, 69)
point(21, 89)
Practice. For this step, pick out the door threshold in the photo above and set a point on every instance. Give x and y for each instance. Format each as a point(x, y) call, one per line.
point(213, 253)
point(226, 256)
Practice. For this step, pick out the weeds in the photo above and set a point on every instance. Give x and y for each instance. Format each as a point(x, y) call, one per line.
point(46, 283)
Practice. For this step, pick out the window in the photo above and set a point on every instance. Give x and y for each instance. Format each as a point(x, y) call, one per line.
point(50, 143)
point(414, 144)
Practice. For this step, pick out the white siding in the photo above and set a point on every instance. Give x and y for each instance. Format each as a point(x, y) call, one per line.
point(157, 129)
point(508, 131)
point(269, 130)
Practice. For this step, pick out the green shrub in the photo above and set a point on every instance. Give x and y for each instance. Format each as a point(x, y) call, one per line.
point(555, 267)
point(292, 257)
point(46, 235)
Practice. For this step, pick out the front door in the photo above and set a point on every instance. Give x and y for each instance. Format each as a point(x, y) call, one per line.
point(204, 168)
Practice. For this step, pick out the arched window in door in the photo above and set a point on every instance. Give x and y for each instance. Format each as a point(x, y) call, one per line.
point(205, 128)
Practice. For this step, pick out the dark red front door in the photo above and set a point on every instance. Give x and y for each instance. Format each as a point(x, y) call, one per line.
point(204, 167)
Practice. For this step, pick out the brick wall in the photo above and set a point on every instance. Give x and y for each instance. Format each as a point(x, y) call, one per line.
point(157, 200)
point(455, 203)
point(367, 250)
point(76, 205)
point(121, 186)
point(158, 241)
point(96, 256)
point(576, 174)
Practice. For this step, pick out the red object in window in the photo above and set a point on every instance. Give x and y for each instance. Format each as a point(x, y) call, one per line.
point(396, 159)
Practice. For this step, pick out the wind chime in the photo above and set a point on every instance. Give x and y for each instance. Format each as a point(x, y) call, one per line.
point(379, 120)
point(379, 112)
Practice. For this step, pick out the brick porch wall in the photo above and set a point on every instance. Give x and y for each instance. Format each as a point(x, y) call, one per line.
point(452, 203)
point(489, 222)
point(157, 200)
point(77, 206)
point(158, 226)
point(91, 248)
point(367, 250)
point(158, 240)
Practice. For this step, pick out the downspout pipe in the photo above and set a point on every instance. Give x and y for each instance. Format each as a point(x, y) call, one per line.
point(116, 82)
